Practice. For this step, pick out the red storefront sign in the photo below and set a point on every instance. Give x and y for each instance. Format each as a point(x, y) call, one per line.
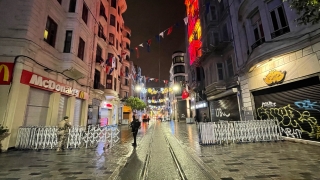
point(6, 70)
point(38, 81)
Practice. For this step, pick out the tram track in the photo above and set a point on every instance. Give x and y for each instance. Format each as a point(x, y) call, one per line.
point(178, 160)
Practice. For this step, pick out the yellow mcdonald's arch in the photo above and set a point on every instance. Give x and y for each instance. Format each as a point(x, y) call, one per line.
point(81, 95)
point(6, 72)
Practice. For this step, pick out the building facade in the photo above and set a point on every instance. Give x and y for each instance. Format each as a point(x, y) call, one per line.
point(180, 108)
point(64, 61)
point(278, 66)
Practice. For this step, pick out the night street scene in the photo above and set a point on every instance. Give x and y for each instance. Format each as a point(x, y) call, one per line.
point(160, 90)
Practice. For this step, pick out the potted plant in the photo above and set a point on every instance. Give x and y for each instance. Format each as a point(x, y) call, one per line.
point(4, 132)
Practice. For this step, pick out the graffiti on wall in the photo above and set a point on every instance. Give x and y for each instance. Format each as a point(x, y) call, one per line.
point(220, 113)
point(293, 122)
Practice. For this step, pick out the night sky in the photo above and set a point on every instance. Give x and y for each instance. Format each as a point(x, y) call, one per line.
point(148, 18)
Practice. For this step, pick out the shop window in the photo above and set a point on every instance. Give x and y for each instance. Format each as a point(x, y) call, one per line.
point(81, 48)
point(85, 13)
point(50, 32)
point(220, 71)
point(230, 67)
point(67, 42)
point(278, 18)
point(72, 5)
point(257, 30)
point(114, 3)
point(111, 39)
point(112, 20)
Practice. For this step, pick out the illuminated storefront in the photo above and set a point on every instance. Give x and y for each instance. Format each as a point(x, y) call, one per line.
point(194, 30)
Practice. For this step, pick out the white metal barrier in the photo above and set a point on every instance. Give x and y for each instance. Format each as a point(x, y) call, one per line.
point(40, 137)
point(239, 131)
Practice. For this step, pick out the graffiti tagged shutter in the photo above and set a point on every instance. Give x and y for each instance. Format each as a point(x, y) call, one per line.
point(225, 109)
point(295, 105)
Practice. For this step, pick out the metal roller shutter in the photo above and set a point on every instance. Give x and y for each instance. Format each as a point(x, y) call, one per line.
point(37, 107)
point(77, 112)
point(296, 106)
point(62, 107)
point(225, 109)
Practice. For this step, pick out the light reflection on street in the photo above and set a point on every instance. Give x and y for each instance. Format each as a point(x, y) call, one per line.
point(172, 127)
point(190, 135)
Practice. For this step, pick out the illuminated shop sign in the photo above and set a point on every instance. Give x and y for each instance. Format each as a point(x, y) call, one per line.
point(194, 30)
point(6, 73)
point(199, 105)
point(38, 81)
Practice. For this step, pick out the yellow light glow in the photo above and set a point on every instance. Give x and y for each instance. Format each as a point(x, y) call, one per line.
point(197, 30)
point(45, 35)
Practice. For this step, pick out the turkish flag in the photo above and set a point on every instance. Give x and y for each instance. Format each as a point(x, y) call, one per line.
point(185, 94)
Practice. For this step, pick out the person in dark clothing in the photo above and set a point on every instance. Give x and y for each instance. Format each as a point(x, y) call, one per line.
point(135, 125)
point(205, 118)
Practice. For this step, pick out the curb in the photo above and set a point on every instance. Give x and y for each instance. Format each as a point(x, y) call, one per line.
point(302, 141)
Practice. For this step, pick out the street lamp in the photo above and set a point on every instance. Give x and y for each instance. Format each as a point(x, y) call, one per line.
point(138, 88)
point(176, 87)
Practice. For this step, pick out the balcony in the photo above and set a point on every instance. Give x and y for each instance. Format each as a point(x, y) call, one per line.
point(257, 43)
point(99, 59)
point(103, 13)
point(102, 36)
point(280, 32)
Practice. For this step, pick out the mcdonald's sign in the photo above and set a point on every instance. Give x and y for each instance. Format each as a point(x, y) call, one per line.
point(6, 70)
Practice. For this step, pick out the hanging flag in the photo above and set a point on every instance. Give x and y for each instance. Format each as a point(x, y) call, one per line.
point(123, 53)
point(110, 71)
point(169, 30)
point(158, 38)
point(137, 52)
point(148, 45)
point(107, 69)
point(141, 45)
point(109, 60)
point(114, 62)
point(161, 34)
point(185, 20)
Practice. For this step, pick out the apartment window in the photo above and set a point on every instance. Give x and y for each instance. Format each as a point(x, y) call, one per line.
point(96, 81)
point(59, 1)
point(178, 69)
point(117, 44)
point(118, 26)
point(67, 42)
point(225, 32)
point(213, 13)
point(112, 20)
point(178, 59)
point(126, 95)
point(278, 18)
point(257, 30)
point(111, 39)
point(109, 82)
point(118, 10)
point(101, 33)
point(230, 67)
point(115, 84)
point(50, 32)
point(114, 3)
point(220, 71)
point(85, 13)
point(81, 48)
point(179, 79)
point(126, 82)
point(103, 11)
point(127, 71)
point(221, 4)
point(193, 76)
point(109, 61)
point(72, 5)
point(99, 54)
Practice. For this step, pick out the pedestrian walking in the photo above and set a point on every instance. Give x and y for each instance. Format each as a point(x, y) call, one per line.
point(135, 125)
point(205, 118)
point(63, 132)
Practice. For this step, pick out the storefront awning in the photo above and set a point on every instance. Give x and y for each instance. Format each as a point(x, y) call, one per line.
point(223, 94)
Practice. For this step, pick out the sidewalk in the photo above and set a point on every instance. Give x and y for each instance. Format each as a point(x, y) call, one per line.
point(70, 164)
